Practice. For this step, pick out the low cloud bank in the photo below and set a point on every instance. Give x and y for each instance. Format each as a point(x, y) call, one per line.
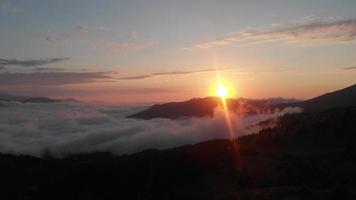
point(65, 128)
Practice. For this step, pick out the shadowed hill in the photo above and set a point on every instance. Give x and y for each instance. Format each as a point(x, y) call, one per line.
point(197, 107)
point(26, 99)
point(201, 107)
point(342, 98)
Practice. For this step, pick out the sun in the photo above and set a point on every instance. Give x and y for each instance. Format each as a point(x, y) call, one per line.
point(222, 91)
point(222, 88)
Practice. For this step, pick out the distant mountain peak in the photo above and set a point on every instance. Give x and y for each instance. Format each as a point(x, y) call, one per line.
point(205, 107)
point(201, 107)
point(27, 99)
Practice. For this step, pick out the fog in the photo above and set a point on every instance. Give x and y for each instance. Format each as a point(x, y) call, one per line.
point(67, 128)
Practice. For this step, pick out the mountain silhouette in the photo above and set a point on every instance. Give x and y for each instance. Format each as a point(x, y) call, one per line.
point(345, 97)
point(27, 99)
point(201, 107)
point(205, 107)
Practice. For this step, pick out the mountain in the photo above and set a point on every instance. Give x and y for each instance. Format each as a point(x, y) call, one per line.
point(342, 98)
point(307, 156)
point(26, 99)
point(201, 107)
point(197, 107)
point(39, 100)
point(9, 97)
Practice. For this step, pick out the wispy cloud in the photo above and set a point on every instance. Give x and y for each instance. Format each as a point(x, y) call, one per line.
point(51, 78)
point(135, 35)
point(349, 68)
point(144, 76)
point(81, 28)
point(309, 31)
point(10, 7)
point(54, 39)
point(30, 63)
point(48, 69)
point(136, 77)
point(124, 47)
point(106, 93)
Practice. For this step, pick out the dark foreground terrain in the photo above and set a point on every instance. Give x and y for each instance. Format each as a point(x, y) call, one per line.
point(308, 156)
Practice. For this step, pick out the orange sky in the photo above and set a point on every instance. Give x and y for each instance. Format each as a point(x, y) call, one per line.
point(145, 51)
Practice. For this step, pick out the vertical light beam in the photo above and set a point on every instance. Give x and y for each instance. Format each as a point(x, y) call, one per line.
point(235, 147)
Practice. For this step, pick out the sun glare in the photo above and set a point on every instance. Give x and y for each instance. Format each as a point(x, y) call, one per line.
point(222, 87)
point(222, 91)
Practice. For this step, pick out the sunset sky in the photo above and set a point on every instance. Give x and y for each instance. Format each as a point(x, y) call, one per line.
point(145, 51)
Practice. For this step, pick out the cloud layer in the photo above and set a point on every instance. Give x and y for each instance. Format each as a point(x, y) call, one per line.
point(144, 76)
point(125, 47)
point(349, 68)
point(65, 128)
point(306, 31)
point(10, 7)
point(50, 79)
point(30, 63)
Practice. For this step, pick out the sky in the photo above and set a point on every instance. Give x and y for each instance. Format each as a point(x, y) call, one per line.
point(148, 51)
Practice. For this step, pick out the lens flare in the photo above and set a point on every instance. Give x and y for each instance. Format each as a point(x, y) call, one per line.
point(222, 91)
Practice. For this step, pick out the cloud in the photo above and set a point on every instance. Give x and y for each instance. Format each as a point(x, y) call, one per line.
point(51, 79)
point(81, 28)
point(54, 39)
point(48, 69)
point(135, 35)
point(66, 128)
point(349, 68)
point(10, 7)
point(30, 63)
point(136, 77)
point(170, 73)
point(124, 47)
point(109, 94)
point(308, 31)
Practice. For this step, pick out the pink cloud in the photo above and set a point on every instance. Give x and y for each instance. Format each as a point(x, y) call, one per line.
point(309, 31)
point(123, 47)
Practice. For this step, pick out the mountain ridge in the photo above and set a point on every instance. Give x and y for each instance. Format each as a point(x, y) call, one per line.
point(345, 97)
point(204, 107)
point(30, 99)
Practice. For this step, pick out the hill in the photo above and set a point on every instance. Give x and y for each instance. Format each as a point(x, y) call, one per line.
point(27, 99)
point(204, 107)
point(345, 97)
point(200, 107)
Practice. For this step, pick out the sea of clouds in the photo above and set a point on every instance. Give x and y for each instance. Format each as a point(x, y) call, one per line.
point(67, 128)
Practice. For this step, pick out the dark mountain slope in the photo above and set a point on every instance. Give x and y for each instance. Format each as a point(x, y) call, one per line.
point(197, 107)
point(342, 98)
point(26, 99)
point(201, 107)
